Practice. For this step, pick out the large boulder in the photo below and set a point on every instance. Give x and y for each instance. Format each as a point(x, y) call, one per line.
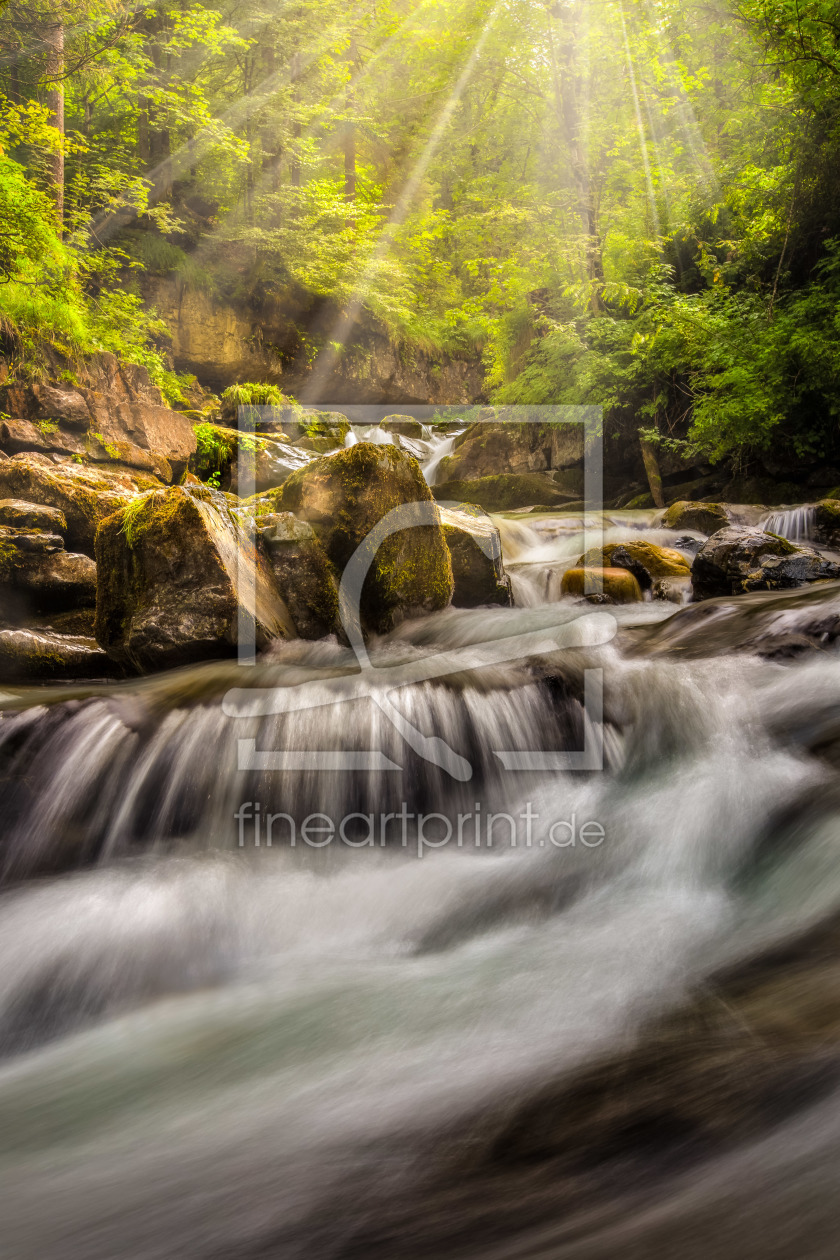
point(265, 462)
point(506, 492)
point(737, 560)
point(705, 518)
point(304, 575)
point(475, 546)
point(112, 415)
point(38, 576)
point(84, 495)
point(317, 430)
point(175, 568)
point(404, 426)
point(486, 449)
point(344, 496)
point(42, 656)
point(644, 560)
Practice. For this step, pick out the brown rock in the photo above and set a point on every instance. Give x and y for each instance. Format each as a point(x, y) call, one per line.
point(618, 585)
point(175, 569)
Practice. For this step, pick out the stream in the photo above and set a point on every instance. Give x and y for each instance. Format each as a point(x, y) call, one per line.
point(214, 1048)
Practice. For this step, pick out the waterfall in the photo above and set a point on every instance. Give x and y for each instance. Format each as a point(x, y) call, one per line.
point(216, 1046)
point(796, 524)
point(444, 447)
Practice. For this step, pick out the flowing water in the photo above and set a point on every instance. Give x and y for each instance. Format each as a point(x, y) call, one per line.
point(796, 524)
point(218, 1049)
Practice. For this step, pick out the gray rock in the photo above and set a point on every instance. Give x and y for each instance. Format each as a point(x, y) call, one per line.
point(705, 518)
point(475, 547)
point(42, 656)
point(405, 426)
point(737, 560)
point(305, 578)
point(344, 496)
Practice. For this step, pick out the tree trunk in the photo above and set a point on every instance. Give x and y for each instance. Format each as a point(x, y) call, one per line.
point(653, 474)
point(54, 39)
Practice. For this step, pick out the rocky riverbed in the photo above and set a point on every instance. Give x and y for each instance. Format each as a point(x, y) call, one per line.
point(117, 559)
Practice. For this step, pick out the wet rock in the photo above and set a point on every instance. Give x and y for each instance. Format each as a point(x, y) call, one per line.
point(405, 426)
point(778, 625)
point(827, 521)
point(644, 560)
point(675, 590)
point(83, 494)
point(487, 449)
point(505, 492)
point(37, 575)
point(705, 518)
point(476, 549)
point(248, 463)
point(344, 496)
point(18, 514)
point(175, 568)
point(305, 578)
point(42, 656)
point(319, 431)
point(617, 584)
point(736, 560)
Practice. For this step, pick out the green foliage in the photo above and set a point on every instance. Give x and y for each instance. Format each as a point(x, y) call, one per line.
point(250, 394)
point(628, 205)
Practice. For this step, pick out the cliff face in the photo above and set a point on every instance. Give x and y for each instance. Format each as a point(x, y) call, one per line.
point(277, 340)
point(98, 411)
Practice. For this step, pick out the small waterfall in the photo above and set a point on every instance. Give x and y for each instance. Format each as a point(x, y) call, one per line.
point(430, 472)
point(796, 524)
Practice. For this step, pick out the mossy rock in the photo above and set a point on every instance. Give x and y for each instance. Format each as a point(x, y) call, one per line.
point(44, 656)
point(618, 585)
point(645, 560)
point(38, 576)
point(736, 561)
point(475, 546)
point(641, 501)
point(85, 496)
point(305, 578)
point(175, 568)
point(827, 520)
point(505, 492)
point(405, 426)
point(705, 518)
point(343, 497)
point(20, 515)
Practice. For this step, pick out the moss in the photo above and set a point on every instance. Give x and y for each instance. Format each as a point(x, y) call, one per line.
point(642, 558)
point(783, 547)
point(344, 497)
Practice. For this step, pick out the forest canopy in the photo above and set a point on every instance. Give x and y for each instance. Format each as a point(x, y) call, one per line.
point(628, 202)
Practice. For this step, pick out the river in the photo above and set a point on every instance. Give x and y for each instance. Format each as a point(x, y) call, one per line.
point(385, 1045)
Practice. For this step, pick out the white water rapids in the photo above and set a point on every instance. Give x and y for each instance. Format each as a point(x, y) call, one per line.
point(221, 1051)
